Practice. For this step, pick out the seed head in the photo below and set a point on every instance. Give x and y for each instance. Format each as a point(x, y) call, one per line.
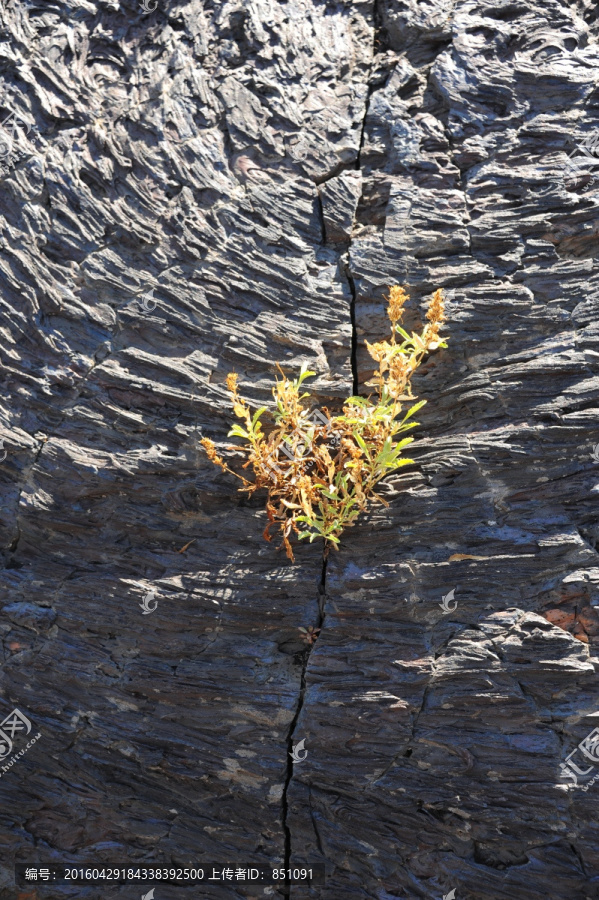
point(211, 453)
point(379, 350)
point(397, 299)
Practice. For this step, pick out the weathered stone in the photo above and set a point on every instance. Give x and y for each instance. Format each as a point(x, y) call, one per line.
point(339, 197)
point(207, 188)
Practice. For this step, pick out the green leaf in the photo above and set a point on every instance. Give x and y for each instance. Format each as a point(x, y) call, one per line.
point(357, 401)
point(403, 462)
point(333, 527)
point(257, 415)
point(362, 444)
point(413, 409)
point(340, 480)
point(304, 373)
point(238, 431)
point(403, 333)
point(387, 446)
point(397, 428)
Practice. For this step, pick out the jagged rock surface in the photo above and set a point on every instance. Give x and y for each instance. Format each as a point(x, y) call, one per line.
point(217, 186)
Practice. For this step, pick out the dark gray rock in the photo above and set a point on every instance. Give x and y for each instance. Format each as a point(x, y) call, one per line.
point(340, 197)
point(207, 188)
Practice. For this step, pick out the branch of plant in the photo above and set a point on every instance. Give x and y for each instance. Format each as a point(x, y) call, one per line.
point(339, 486)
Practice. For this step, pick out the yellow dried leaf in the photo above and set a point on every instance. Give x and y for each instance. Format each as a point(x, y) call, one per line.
point(455, 557)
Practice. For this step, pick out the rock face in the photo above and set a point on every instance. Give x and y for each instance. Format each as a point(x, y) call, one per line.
point(209, 187)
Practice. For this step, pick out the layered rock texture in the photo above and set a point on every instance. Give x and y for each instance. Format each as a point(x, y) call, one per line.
point(213, 186)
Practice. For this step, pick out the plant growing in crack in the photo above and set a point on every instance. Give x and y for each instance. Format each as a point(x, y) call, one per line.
point(309, 634)
point(317, 487)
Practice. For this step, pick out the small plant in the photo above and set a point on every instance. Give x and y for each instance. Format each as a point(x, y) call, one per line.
point(309, 634)
point(320, 475)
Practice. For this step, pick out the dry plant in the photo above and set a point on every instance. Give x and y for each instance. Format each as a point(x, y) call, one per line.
point(320, 477)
